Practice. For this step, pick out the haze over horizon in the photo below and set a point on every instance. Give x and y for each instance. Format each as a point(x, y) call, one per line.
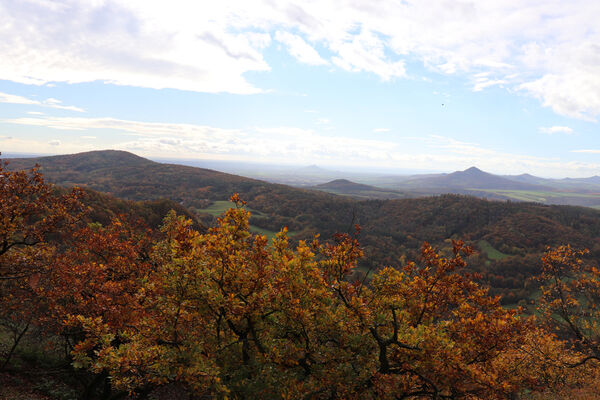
point(509, 87)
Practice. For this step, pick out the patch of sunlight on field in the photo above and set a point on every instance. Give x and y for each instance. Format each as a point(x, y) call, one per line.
point(490, 251)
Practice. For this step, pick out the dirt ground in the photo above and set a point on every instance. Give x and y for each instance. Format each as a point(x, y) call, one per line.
point(16, 388)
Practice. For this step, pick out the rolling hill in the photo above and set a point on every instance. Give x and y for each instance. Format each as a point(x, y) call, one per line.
point(474, 182)
point(359, 190)
point(391, 229)
point(472, 178)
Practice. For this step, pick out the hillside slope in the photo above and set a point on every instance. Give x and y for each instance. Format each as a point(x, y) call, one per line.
point(391, 229)
point(471, 178)
point(358, 190)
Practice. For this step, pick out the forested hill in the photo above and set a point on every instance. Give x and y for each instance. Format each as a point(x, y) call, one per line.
point(510, 235)
point(126, 175)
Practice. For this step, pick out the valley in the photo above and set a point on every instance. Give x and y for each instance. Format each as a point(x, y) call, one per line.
point(379, 185)
point(510, 236)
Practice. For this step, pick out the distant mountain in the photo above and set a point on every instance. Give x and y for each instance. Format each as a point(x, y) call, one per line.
point(471, 178)
point(358, 190)
point(83, 162)
point(345, 185)
point(528, 178)
point(591, 184)
point(390, 228)
point(315, 169)
point(593, 180)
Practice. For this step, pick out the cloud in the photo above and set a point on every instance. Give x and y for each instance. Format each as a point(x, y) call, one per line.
point(323, 121)
point(299, 49)
point(381, 130)
point(88, 137)
point(481, 84)
point(54, 143)
point(556, 129)
point(51, 103)
point(366, 52)
point(545, 49)
point(286, 144)
point(195, 46)
point(14, 99)
point(588, 151)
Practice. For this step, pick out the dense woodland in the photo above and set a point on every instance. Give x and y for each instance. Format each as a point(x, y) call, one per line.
point(392, 231)
point(174, 312)
point(118, 304)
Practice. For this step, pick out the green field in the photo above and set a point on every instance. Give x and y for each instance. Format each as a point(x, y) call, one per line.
point(220, 206)
point(217, 208)
point(490, 251)
point(367, 194)
point(538, 196)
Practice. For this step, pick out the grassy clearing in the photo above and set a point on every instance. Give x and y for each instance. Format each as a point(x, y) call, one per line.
point(535, 195)
point(490, 251)
point(367, 194)
point(220, 206)
point(217, 207)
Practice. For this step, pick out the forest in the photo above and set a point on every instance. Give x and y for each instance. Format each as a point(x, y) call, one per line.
point(509, 237)
point(104, 298)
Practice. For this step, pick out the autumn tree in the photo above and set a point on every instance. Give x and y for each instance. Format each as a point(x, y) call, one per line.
point(569, 305)
point(98, 277)
point(32, 213)
point(226, 313)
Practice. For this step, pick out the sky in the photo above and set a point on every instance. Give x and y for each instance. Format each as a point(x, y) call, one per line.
point(509, 86)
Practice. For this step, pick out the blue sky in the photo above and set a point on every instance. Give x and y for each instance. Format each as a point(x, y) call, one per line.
point(508, 86)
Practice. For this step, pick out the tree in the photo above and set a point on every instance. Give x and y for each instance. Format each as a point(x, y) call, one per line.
point(32, 213)
point(569, 305)
point(226, 313)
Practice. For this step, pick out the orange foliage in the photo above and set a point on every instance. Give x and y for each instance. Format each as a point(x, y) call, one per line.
point(227, 314)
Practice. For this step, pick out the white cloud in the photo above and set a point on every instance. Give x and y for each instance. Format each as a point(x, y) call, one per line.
point(292, 144)
point(51, 103)
point(14, 99)
point(30, 146)
point(366, 52)
point(556, 129)
point(587, 151)
point(88, 137)
point(547, 48)
point(323, 121)
point(54, 143)
point(299, 49)
point(484, 83)
point(183, 45)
